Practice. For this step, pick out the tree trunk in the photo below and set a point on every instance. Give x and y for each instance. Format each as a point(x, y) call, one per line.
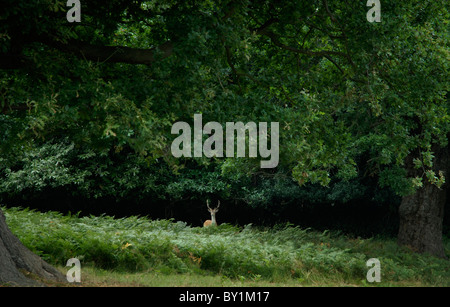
point(422, 214)
point(18, 265)
point(421, 217)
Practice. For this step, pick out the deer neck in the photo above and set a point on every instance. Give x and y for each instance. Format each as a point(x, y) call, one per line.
point(213, 219)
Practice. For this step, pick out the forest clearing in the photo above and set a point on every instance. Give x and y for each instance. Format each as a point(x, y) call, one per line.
point(136, 251)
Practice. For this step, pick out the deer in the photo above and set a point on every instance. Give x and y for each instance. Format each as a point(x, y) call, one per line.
point(212, 221)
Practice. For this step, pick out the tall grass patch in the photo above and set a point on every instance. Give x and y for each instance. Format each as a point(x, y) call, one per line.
point(139, 244)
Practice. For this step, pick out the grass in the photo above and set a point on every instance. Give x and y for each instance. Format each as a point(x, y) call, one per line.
point(139, 251)
point(93, 277)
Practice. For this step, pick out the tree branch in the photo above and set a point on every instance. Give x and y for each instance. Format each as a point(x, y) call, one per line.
point(233, 68)
point(276, 41)
point(332, 17)
point(112, 54)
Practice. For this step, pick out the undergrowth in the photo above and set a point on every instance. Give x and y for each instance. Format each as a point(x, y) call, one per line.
point(138, 244)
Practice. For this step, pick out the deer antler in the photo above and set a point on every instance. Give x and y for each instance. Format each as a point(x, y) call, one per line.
point(207, 204)
point(218, 204)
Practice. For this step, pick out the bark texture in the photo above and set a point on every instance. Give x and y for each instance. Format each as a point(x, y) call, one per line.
point(422, 214)
point(18, 264)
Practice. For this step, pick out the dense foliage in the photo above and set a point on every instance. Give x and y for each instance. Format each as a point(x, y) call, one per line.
point(275, 254)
